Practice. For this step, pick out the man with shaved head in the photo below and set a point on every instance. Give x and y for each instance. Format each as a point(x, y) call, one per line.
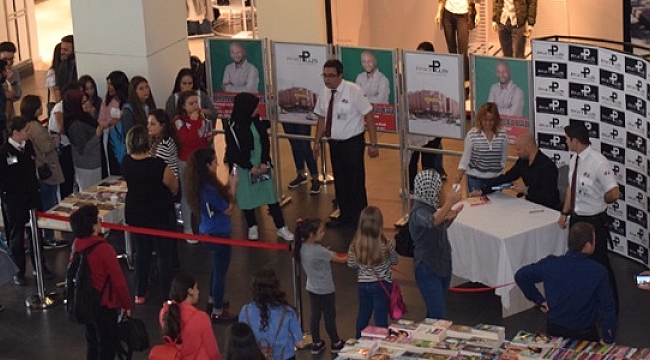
point(240, 75)
point(374, 84)
point(538, 172)
point(506, 94)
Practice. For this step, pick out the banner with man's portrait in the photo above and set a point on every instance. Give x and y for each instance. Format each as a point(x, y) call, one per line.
point(374, 71)
point(505, 82)
point(298, 80)
point(235, 66)
point(435, 94)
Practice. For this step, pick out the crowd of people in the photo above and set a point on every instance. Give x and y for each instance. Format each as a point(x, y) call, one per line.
point(165, 157)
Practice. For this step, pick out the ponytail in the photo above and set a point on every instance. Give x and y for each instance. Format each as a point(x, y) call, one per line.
point(304, 229)
point(172, 322)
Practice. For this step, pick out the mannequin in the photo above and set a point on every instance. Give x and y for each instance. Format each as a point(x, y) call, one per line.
point(454, 18)
point(199, 17)
point(514, 21)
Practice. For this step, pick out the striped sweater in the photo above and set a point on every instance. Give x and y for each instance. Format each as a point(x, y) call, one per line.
point(367, 273)
point(483, 158)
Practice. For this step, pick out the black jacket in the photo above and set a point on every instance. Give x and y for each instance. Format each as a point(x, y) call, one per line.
point(239, 142)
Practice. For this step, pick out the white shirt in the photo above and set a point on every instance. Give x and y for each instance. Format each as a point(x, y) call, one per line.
point(350, 106)
point(244, 78)
point(595, 178)
point(457, 6)
point(508, 12)
point(509, 99)
point(375, 85)
point(53, 126)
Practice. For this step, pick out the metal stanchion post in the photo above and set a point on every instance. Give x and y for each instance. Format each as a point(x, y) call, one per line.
point(297, 291)
point(40, 300)
point(324, 177)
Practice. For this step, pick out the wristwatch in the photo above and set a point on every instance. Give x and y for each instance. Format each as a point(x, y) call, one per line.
point(566, 213)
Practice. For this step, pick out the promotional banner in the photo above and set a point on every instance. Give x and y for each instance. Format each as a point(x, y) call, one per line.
point(608, 91)
point(374, 71)
point(235, 66)
point(435, 94)
point(505, 82)
point(298, 80)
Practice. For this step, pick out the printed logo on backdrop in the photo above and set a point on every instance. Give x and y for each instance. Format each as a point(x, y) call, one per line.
point(548, 69)
point(553, 123)
point(635, 161)
point(303, 58)
point(549, 50)
point(560, 158)
point(637, 234)
point(635, 67)
point(612, 98)
point(637, 216)
point(583, 91)
point(612, 116)
point(555, 88)
point(551, 106)
point(635, 104)
point(613, 153)
point(592, 127)
point(583, 73)
point(637, 143)
point(637, 251)
point(636, 179)
point(583, 55)
point(615, 209)
point(636, 124)
point(612, 134)
point(636, 86)
point(583, 110)
point(619, 243)
point(552, 141)
point(612, 79)
point(617, 170)
point(618, 227)
point(435, 68)
point(636, 197)
point(611, 60)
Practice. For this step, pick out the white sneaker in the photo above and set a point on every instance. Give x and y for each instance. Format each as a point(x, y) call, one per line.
point(285, 234)
point(252, 233)
point(192, 242)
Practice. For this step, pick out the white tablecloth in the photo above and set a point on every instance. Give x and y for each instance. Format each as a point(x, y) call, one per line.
point(490, 242)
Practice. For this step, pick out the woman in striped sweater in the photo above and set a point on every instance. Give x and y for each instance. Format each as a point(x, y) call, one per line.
point(163, 138)
point(486, 149)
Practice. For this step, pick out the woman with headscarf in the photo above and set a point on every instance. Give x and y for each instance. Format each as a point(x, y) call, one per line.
point(428, 222)
point(249, 152)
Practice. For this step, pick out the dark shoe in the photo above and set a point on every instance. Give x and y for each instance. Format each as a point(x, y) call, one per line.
point(223, 318)
point(315, 187)
point(317, 348)
point(19, 280)
point(49, 244)
point(337, 346)
point(299, 180)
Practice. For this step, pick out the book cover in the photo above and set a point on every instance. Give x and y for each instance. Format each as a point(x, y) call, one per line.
point(460, 331)
point(494, 332)
point(375, 332)
point(403, 330)
point(429, 332)
point(479, 200)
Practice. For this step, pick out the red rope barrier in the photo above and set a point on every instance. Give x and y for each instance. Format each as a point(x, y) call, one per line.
point(178, 235)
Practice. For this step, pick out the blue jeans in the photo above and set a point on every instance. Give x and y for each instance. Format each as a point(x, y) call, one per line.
point(475, 183)
point(434, 290)
point(372, 300)
point(301, 149)
point(49, 198)
point(220, 261)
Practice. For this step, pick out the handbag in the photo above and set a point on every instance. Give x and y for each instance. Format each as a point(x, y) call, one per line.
point(265, 346)
point(396, 307)
point(404, 242)
point(44, 172)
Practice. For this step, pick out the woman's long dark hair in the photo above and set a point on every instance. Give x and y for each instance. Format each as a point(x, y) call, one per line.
point(29, 106)
point(181, 74)
point(241, 344)
point(267, 294)
point(73, 110)
point(120, 82)
point(177, 293)
point(139, 112)
point(85, 79)
point(197, 174)
point(182, 98)
point(169, 130)
point(304, 229)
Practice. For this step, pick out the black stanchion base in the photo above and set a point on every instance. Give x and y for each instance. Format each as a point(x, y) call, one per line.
point(50, 300)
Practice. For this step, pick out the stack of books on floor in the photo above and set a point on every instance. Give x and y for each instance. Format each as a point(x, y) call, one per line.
point(441, 340)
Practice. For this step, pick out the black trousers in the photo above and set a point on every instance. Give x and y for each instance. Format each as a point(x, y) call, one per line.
point(16, 216)
point(323, 305)
point(347, 157)
point(101, 338)
point(512, 39)
point(144, 245)
point(589, 334)
point(601, 225)
point(276, 214)
point(429, 161)
point(456, 29)
point(65, 160)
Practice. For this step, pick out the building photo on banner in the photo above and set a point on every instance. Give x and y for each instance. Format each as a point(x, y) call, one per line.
point(607, 90)
point(374, 71)
point(505, 82)
point(235, 66)
point(435, 94)
point(298, 81)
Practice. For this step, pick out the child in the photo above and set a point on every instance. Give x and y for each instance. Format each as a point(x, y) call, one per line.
point(272, 319)
point(372, 254)
point(315, 259)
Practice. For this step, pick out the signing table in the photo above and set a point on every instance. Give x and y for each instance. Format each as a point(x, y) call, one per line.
point(490, 242)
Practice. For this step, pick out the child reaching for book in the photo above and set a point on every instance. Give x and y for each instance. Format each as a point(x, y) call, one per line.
point(315, 259)
point(372, 254)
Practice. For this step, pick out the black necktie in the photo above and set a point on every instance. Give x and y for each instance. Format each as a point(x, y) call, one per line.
point(328, 119)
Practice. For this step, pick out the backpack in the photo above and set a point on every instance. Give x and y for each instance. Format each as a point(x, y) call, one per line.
point(133, 333)
point(403, 241)
point(265, 346)
point(82, 300)
point(167, 351)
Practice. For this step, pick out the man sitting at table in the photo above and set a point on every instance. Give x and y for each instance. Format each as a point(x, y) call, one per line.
point(577, 289)
point(538, 172)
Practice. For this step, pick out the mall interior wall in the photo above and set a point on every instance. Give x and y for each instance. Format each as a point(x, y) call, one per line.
point(300, 21)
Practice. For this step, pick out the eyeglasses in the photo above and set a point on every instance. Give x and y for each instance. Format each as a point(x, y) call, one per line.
point(329, 76)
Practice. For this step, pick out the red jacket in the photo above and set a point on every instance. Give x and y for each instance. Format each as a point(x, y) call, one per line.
point(199, 342)
point(103, 263)
point(192, 135)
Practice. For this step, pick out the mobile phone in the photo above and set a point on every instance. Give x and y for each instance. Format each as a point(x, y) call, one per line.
point(642, 279)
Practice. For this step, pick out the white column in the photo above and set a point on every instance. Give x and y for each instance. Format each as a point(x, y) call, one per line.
point(292, 20)
point(140, 37)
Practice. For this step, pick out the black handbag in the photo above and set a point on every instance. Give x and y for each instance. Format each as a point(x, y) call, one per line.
point(44, 172)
